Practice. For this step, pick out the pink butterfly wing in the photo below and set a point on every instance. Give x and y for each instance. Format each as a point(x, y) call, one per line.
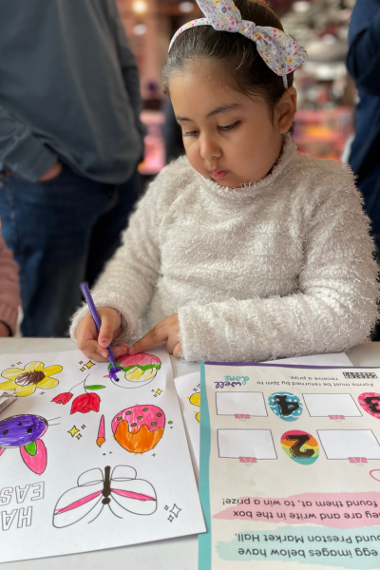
point(77, 503)
point(134, 495)
point(36, 463)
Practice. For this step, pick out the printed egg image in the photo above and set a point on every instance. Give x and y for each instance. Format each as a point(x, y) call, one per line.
point(375, 474)
point(300, 446)
point(370, 402)
point(285, 405)
point(139, 428)
point(137, 370)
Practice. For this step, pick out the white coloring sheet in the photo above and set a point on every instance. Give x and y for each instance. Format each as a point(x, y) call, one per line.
point(189, 393)
point(89, 463)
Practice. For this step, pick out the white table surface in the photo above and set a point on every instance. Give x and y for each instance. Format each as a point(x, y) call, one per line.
point(174, 554)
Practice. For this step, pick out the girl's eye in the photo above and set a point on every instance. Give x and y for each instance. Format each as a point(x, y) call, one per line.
point(229, 127)
point(221, 128)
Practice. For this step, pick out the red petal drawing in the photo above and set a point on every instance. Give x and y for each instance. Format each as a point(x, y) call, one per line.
point(85, 403)
point(63, 398)
point(80, 404)
point(94, 403)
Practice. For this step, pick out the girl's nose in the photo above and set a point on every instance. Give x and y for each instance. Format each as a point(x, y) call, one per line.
point(208, 148)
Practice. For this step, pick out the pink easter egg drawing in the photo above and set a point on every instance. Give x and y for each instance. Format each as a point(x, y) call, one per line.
point(139, 428)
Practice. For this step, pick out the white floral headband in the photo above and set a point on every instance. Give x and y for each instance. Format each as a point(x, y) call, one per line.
point(279, 51)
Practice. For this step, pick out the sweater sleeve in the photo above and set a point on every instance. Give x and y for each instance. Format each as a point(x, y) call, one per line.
point(20, 150)
point(129, 278)
point(333, 309)
point(9, 288)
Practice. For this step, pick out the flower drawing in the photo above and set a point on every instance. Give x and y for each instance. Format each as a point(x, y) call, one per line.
point(25, 381)
point(85, 403)
point(63, 398)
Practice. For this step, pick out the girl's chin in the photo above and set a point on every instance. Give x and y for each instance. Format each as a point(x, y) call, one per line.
point(228, 182)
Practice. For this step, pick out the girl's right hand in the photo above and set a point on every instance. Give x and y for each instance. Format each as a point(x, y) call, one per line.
point(93, 343)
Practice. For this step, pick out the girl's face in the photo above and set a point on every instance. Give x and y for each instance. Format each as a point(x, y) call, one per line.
point(228, 136)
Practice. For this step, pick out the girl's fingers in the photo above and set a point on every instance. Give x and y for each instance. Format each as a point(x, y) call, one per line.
point(120, 349)
point(110, 325)
point(93, 351)
point(86, 330)
point(153, 337)
point(93, 344)
point(177, 351)
point(168, 330)
point(171, 344)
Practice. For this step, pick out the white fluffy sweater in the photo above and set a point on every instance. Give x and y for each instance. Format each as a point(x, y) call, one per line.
point(277, 268)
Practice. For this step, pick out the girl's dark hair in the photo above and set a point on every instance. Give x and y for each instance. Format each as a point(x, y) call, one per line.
point(245, 69)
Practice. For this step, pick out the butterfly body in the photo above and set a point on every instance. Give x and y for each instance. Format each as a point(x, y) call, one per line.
point(107, 486)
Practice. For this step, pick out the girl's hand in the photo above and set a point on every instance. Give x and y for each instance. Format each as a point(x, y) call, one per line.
point(93, 344)
point(168, 330)
point(4, 330)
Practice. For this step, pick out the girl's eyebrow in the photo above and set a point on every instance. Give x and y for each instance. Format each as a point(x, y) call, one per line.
point(223, 109)
point(217, 111)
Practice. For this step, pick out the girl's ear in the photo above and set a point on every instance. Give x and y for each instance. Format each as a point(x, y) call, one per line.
point(285, 110)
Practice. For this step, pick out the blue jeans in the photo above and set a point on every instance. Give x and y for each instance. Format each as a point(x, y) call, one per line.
point(61, 232)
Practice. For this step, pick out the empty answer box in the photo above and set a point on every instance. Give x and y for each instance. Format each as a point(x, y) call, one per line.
point(231, 403)
point(324, 405)
point(346, 443)
point(235, 443)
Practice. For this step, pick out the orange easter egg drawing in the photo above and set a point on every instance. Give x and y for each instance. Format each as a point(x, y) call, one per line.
point(139, 428)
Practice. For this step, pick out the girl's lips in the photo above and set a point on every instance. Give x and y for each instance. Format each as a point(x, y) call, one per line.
point(218, 174)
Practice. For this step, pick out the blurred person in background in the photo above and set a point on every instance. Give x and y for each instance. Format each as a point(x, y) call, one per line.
point(363, 64)
point(70, 141)
point(171, 133)
point(9, 292)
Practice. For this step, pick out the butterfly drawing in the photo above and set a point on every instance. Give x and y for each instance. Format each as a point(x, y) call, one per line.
point(120, 490)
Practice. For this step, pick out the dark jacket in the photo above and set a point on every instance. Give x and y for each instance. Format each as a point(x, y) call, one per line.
point(69, 89)
point(363, 64)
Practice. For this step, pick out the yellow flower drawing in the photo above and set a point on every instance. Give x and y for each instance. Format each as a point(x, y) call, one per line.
point(195, 400)
point(24, 381)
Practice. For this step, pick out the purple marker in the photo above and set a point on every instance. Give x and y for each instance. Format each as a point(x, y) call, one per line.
point(95, 315)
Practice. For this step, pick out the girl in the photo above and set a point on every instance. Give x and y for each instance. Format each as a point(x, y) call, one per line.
point(244, 250)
